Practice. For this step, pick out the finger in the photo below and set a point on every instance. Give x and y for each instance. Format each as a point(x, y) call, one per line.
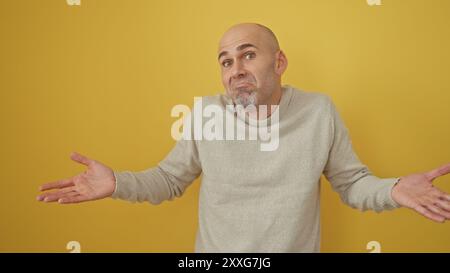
point(57, 185)
point(53, 196)
point(56, 197)
point(80, 158)
point(47, 194)
point(438, 211)
point(445, 197)
point(443, 170)
point(428, 214)
point(443, 205)
point(72, 199)
point(439, 194)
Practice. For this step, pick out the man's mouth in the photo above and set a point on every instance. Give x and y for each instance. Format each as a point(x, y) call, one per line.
point(245, 84)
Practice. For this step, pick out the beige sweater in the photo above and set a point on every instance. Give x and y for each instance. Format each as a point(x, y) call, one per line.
point(265, 201)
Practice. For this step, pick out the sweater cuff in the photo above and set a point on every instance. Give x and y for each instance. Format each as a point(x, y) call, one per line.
point(389, 200)
point(115, 194)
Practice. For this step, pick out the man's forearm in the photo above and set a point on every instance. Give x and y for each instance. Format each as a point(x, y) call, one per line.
point(153, 185)
point(370, 193)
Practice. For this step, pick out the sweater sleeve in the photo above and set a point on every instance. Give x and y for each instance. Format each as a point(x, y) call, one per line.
point(167, 180)
point(354, 182)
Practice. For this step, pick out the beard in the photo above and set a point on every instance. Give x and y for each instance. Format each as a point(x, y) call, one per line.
point(246, 97)
point(244, 92)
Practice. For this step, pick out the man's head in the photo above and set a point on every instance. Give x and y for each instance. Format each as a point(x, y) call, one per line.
point(252, 64)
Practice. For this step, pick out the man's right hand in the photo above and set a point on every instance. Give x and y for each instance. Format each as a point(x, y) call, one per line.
point(96, 182)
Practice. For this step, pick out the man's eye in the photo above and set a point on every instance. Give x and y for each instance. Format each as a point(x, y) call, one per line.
point(226, 63)
point(250, 55)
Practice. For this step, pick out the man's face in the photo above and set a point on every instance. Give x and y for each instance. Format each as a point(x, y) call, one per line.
point(248, 64)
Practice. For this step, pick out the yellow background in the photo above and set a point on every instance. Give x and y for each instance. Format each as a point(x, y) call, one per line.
point(101, 79)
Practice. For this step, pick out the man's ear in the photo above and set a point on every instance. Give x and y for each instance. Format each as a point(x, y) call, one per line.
point(281, 63)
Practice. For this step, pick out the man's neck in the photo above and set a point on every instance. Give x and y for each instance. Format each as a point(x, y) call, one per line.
point(271, 106)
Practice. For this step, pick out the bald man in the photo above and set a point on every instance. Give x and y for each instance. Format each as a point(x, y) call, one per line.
point(252, 200)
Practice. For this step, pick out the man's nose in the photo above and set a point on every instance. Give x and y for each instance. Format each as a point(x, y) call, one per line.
point(238, 71)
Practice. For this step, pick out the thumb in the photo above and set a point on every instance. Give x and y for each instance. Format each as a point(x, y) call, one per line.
point(80, 158)
point(443, 170)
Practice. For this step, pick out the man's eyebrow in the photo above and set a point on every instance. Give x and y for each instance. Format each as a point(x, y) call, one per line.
point(239, 48)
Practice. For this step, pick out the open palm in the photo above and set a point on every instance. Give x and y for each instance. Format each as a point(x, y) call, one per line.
point(417, 192)
point(96, 182)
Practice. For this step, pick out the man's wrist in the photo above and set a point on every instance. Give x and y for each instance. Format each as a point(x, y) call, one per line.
point(393, 189)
